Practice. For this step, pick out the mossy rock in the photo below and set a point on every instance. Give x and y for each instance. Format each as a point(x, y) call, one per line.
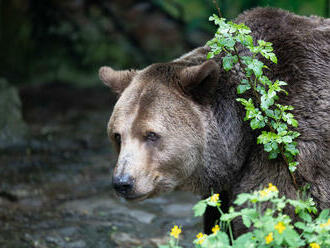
point(12, 126)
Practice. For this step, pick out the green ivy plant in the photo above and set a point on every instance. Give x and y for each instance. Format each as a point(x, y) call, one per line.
point(262, 111)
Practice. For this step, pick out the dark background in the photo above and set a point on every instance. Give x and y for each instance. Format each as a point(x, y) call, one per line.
point(68, 40)
point(55, 157)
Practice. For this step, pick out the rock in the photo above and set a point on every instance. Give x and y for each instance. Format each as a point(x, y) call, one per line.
point(55, 240)
point(141, 216)
point(13, 129)
point(158, 241)
point(179, 210)
point(67, 231)
point(125, 240)
point(76, 244)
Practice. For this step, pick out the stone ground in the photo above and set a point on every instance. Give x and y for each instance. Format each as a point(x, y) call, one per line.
point(55, 187)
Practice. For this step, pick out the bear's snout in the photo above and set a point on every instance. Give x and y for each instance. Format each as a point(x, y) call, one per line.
point(123, 184)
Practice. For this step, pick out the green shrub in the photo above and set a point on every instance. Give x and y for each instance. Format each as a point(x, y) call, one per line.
point(270, 228)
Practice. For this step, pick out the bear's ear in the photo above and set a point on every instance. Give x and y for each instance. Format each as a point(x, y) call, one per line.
point(200, 81)
point(116, 80)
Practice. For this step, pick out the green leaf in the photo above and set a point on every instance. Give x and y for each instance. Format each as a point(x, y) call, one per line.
point(273, 155)
point(243, 87)
point(293, 166)
point(210, 55)
point(254, 123)
point(292, 238)
point(228, 61)
point(246, 221)
point(287, 139)
point(229, 216)
point(273, 58)
point(291, 148)
point(268, 147)
point(200, 208)
point(324, 214)
point(242, 100)
point(256, 66)
point(300, 225)
point(222, 240)
point(305, 216)
point(244, 241)
point(242, 198)
point(294, 122)
point(266, 102)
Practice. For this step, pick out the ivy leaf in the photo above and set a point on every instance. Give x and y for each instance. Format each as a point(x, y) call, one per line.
point(256, 66)
point(294, 122)
point(257, 123)
point(273, 155)
point(273, 58)
point(243, 87)
point(268, 147)
point(287, 139)
point(210, 55)
point(293, 166)
point(291, 148)
point(266, 102)
point(227, 62)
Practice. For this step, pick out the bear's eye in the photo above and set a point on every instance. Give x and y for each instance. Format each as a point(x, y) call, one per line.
point(151, 136)
point(117, 138)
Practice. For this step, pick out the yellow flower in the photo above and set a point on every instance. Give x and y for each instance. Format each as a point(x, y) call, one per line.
point(280, 227)
point(215, 229)
point(264, 192)
point(215, 198)
point(175, 231)
point(272, 187)
point(325, 224)
point(269, 238)
point(314, 245)
point(201, 237)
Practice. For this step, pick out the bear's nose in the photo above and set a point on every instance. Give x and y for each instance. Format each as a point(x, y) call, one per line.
point(123, 184)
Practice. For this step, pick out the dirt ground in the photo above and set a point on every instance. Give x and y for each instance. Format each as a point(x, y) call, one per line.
point(55, 187)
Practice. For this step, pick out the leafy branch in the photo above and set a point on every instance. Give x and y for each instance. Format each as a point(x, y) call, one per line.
point(262, 111)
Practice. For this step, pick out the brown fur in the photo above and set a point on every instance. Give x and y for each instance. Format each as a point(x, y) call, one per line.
point(204, 144)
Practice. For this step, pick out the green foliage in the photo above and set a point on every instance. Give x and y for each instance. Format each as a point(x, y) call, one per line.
point(263, 110)
point(270, 227)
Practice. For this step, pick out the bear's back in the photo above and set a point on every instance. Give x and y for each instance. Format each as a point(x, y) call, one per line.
point(302, 46)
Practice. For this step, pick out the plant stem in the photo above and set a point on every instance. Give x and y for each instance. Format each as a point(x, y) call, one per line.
point(242, 66)
point(229, 226)
point(217, 7)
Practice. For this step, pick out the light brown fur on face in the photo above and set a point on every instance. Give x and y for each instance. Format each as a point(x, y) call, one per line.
point(149, 104)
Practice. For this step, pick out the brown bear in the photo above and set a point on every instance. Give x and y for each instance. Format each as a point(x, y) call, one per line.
point(177, 125)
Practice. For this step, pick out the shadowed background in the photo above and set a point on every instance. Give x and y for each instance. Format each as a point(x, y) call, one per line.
point(55, 157)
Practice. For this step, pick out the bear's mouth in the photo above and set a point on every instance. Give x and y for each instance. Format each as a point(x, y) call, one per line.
point(139, 197)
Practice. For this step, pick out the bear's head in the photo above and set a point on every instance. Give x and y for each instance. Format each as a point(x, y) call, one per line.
point(157, 125)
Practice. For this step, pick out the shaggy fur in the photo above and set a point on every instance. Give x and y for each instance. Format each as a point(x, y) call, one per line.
point(230, 161)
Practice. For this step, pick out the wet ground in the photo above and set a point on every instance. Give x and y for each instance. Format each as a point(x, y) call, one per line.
point(55, 188)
